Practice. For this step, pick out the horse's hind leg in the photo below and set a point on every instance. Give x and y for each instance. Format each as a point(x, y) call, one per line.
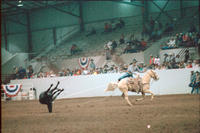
point(58, 93)
point(123, 95)
point(143, 97)
point(55, 87)
point(126, 97)
point(49, 88)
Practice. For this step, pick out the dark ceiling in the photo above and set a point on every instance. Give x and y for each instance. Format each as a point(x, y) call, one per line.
point(10, 7)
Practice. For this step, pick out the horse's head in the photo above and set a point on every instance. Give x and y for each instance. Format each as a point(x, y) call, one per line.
point(153, 74)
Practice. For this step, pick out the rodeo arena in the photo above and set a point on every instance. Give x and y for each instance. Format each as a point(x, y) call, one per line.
point(123, 66)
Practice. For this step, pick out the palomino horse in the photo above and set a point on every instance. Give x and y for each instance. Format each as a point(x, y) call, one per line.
point(136, 84)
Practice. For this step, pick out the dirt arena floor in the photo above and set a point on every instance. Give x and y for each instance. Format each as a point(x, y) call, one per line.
point(166, 114)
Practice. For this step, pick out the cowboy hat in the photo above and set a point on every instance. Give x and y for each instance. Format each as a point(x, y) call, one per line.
point(134, 60)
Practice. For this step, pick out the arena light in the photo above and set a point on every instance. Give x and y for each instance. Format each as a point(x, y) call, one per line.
point(20, 3)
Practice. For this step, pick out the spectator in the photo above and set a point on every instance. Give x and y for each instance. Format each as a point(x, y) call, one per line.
point(92, 65)
point(178, 60)
point(121, 40)
point(182, 64)
point(74, 49)
point(179, 39)
point(192, 81)
point(131, 39)
point(108, 49)
point(166, 58)
point(30, 71)
point(152, 24)
point(114, 45)
point(52, 74)
point(105, 68)
point(196, 65)
point(197, 82)
point(159, 34)
point(68, 72)
point(187, 56)
point(108, 45)
point(153, 35)
point(185, 38)
point(157, 61)
point(129, 49)
point(189, 64)
point(16, 72)
point(22, 72)
point(109, 27)
point(62, 72)
point(173, 61)
point(151, 60)
point(121, 22)
point(143, 44)
point(100, 70)
point(171, 43)
point(106, 27)
point(40, 75)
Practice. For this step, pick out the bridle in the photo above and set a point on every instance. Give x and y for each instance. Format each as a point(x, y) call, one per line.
point(154, 76)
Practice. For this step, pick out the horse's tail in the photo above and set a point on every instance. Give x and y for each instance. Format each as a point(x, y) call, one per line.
point(111, 86)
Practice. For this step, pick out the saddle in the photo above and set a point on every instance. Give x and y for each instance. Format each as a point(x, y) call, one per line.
point(134, 84)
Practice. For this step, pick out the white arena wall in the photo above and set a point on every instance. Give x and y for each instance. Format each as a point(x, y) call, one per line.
point(171, 82)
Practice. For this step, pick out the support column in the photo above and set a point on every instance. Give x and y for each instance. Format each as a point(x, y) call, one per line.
point(81, 21)
point(199, 25)
point(5, 34)
point(145, 12)
point(29, 36)
point(54, 36)
point(181, 9)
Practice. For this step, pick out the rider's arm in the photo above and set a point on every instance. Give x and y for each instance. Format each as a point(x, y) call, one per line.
point(140, 71)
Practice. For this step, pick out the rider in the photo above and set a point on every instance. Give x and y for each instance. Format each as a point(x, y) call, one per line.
point(131, 71)
point(48, 96)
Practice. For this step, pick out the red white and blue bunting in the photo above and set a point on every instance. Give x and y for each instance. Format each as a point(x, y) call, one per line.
point(84, 62)
point(11, 90)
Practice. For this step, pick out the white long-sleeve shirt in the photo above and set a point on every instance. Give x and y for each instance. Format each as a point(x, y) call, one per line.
point(134, 69)
point(171, 43)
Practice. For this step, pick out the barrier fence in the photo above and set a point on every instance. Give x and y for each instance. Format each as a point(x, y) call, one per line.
point(172, 81)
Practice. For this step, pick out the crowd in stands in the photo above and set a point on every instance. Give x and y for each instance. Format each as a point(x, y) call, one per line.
point(187, 39)
point(170, 62)
point(131, 45)
point(113, 25)
point(21, 73)
point(152, 30)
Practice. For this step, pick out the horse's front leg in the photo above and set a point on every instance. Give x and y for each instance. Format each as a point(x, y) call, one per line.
point(126, 98)
point(148, 91)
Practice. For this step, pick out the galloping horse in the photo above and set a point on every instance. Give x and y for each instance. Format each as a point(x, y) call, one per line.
point(138, 84)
